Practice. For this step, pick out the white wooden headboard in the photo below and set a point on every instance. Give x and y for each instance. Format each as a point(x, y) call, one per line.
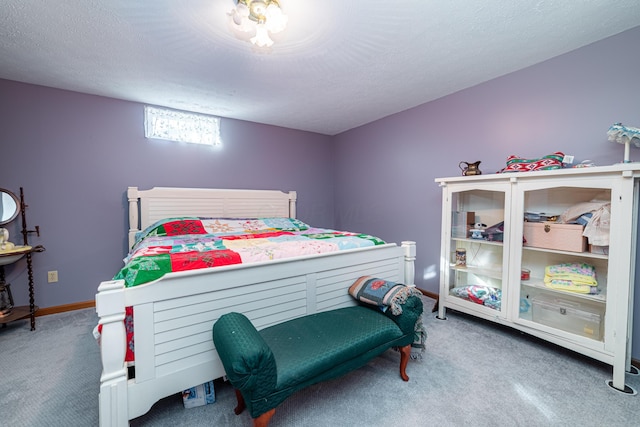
point(149, 206)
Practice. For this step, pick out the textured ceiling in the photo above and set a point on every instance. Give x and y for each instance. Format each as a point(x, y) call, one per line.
point(338, 65)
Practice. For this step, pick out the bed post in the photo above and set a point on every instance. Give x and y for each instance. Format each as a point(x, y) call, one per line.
point(134, 227)
point(113, 381)
point(293, 197)
point(409, 266)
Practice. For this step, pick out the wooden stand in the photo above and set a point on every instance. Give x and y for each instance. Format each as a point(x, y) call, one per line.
point(17, 313)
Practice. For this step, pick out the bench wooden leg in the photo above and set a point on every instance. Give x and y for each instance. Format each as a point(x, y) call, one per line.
point(241, 405)
point(263, 420)
point(405, 353)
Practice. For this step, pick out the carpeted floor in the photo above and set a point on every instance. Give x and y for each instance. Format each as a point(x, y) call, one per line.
point(474, 373)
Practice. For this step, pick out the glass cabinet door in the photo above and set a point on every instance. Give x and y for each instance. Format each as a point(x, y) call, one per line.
point(563, 273)
point(475, 273)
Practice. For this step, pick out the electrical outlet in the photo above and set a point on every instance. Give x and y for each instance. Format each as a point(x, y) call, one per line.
point(52, 276)
point(568, 159)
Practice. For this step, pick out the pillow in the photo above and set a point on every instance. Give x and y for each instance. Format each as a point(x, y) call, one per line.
point(194, 225)
point(385, 294)
point(518, 164)
point(374, 291)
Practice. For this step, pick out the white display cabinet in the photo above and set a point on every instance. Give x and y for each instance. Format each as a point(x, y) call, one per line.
point(585, 303)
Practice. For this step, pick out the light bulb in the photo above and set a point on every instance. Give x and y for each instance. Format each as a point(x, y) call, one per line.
point(262, 38)
point(276, 20)
point(242, 10)
point(240, 17)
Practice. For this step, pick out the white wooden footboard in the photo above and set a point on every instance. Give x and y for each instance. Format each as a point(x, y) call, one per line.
point(173, 317)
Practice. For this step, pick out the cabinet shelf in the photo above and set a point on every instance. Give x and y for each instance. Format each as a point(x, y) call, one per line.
point(539, 284)
point(479, 241)
point(493, 273)
point(577, 254)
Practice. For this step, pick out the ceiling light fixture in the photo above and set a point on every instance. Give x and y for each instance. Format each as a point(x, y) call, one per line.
point(258, 17)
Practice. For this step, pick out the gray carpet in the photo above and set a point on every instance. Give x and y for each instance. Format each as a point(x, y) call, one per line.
point(474, 373)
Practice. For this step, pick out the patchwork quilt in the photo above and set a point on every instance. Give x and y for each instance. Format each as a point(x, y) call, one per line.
point(190, 243)
point(180, 244)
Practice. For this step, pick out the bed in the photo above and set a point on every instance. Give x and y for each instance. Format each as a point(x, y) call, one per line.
point(174, 314)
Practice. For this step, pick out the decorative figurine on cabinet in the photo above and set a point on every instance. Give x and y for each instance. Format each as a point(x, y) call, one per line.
point(470, 168)
point(477, 232)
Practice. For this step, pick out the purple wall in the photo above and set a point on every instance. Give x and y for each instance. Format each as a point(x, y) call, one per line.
point(386, 169)
point(75, 155)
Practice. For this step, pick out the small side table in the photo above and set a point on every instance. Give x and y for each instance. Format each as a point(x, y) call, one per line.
point(9, 312)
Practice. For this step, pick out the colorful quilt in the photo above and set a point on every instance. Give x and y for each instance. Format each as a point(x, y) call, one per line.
point(180, 244)
point(188, 243)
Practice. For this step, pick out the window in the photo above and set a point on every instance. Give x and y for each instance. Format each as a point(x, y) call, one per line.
point(181, 126)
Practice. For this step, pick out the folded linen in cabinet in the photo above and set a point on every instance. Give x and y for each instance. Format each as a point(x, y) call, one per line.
point(597, 228)
point(572, 277)
point(561, 285)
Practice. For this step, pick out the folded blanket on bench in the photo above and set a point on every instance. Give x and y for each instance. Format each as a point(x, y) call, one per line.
point(387, 294)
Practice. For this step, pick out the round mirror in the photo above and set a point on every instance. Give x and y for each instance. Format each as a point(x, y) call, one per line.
point(9, 206)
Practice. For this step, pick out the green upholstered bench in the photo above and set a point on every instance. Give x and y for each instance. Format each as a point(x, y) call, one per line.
point(265, 367)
